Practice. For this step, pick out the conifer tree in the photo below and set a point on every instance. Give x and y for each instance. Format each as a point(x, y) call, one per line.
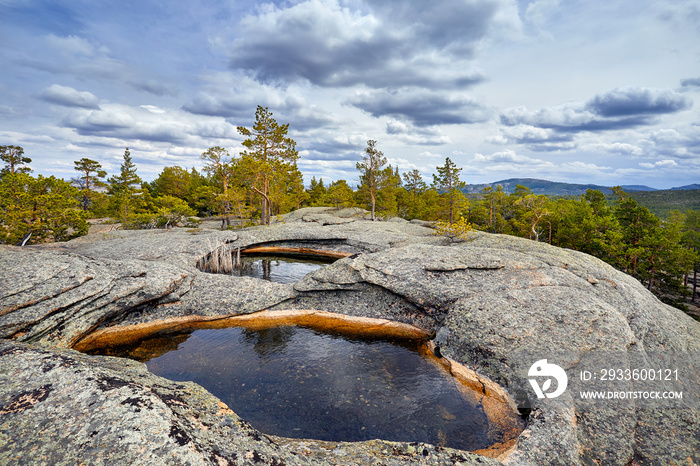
point(271, 153)
point(372, 173)
point(125, 185)
point(13, 156)
point(92, 172)
point(447, 181)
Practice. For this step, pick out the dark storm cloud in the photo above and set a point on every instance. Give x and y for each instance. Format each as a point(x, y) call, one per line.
point(638, 101)
point(390, 44)
point(422, 108)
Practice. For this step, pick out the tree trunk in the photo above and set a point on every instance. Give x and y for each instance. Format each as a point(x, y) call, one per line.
point(373, 202)
point(695, 284)
point(265, 203)
point(452, 207)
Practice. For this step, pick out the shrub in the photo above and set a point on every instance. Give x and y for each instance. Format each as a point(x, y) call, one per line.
point(457, 231)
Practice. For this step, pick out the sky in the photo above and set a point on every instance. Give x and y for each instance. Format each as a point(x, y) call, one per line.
point(582, 91)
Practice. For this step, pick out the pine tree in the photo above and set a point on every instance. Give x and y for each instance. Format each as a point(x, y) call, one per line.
point(447, 181)
point(92, 172)
point(218, 166)
point(372, 174)
point(13, 156)
point(271, 152)
point(125, 185)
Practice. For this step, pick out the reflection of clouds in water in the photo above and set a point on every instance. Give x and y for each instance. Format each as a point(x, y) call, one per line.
point(293, 381)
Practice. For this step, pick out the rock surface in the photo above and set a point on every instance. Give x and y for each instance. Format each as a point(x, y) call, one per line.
point(493, 302)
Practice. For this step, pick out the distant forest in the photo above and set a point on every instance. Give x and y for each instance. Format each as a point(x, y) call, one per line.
point(662, 203)
point(652, 235)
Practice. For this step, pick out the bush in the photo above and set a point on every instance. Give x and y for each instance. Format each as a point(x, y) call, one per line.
point(457, 231)
point(48, 208)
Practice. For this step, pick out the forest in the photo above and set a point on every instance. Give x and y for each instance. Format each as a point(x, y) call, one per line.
point(264, 182)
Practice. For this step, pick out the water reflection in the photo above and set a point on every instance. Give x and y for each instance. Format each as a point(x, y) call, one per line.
point(277, 269)
point(300, 383)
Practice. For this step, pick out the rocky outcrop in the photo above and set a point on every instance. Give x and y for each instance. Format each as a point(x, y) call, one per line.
point(494, 303)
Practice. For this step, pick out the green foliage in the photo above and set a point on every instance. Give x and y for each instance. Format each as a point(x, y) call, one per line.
point(183, 184)
point(339, 194)
point(219, 167)
point(14, 158)
point(316, 193)
point(271, 157)
point(170, 212)
point(454, 231)
point(661, 203)
point(372, 173)
point(92, 174)
point(46, 207)
point(124, 187)
point(447, 182)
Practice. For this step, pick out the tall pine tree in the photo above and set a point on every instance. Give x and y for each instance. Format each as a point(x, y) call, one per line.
point(272, 154)
point(124, 186)
point(448, 183)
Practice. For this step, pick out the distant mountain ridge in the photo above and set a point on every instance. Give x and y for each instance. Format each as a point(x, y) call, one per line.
point(556, 188)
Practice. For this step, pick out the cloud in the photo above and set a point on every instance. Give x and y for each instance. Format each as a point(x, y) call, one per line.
point(69, 97)
point(507, 156)
point(236, 98)
point(506, 163)
point(149, 123)
point(411, 134)
point(539, 11)
point(613, 110)
point(638, 101)
point(677, 143)
point(533, 136)
point(421, 107)
point(614, 148)
point(153, 87)
point(378, 44)
point(690, 82)
point(660, 164)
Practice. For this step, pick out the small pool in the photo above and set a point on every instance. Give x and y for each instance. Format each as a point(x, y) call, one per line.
point(301, 383)
point(277, 269)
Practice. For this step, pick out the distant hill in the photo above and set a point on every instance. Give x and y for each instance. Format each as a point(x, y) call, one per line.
point(659, 201)
point(688, 186)
point(639, 187)
point(550, 188)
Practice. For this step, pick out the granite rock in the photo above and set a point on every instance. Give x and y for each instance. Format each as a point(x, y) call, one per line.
point(493, 304)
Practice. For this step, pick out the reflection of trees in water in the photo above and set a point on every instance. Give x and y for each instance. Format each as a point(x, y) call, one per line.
point(270, 340)
point(266, 265)
point(247, 268)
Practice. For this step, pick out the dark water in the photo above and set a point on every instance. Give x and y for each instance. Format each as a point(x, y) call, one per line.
point(300, 383)
point(277, 269)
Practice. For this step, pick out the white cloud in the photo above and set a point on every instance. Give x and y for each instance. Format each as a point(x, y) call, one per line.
point(69, 97)
point(660, 164)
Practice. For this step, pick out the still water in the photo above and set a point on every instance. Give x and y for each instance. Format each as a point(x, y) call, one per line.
point(277, 269)
point(301, 383)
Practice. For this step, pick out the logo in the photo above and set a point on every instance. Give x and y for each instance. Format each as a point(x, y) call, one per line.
point(543, 369)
